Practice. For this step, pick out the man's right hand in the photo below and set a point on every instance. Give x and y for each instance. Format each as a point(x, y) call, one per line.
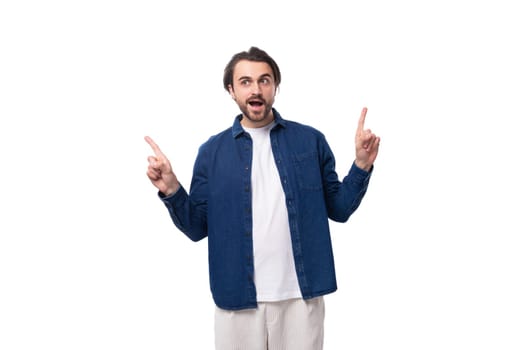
point(160, 172)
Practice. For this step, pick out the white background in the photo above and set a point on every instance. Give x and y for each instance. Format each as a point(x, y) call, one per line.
point(89, 259)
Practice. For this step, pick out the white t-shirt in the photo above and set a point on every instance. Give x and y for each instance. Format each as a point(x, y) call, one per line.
point(275, 276)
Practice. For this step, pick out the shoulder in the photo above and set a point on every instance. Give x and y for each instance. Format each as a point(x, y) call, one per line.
point(216, 140)
point(293, 126)
point(303, 130)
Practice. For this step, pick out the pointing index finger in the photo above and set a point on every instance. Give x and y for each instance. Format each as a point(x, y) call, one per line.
point(154, 147)
point(361, 125)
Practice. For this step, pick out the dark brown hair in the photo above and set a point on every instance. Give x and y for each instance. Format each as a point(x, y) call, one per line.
point(254, 54)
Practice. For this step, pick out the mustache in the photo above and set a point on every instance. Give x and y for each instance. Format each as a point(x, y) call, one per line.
point(258, 98)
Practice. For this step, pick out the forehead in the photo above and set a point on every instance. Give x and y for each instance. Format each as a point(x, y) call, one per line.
point(251, 69)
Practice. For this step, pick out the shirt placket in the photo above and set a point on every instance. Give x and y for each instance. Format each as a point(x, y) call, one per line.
point(247, 149)
point(292, 212)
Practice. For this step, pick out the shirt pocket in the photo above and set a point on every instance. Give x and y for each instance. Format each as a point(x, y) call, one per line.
point(308, 171)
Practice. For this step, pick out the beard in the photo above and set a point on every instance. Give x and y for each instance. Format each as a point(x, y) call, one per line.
point(256, 117)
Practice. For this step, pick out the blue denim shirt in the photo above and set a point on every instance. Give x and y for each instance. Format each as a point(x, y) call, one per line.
point(218, 206)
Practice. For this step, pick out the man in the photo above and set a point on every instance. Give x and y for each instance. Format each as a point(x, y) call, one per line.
point(262, 191)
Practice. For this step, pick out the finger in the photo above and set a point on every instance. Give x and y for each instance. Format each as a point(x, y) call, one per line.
point(370, 143)
point(365, 136)
point(161, 165)
point(367, 141)
point(153, 162)
point(153, 174)
point(373, 145)
point(154, 146)
point(376, 143)
point(361, 124)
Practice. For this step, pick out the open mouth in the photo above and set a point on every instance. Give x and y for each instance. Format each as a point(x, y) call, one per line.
point(256, 103)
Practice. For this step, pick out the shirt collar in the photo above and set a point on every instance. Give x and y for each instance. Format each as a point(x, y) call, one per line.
point(237, 128)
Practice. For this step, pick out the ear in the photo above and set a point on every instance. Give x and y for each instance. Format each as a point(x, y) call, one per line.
point(232, 93)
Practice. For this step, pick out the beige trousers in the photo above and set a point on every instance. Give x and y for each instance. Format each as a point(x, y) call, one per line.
point(294, 324)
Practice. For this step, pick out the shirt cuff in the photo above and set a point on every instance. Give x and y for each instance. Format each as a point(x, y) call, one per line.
point(360, 172)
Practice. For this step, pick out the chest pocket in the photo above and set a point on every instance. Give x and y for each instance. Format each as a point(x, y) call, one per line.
point(308, 171)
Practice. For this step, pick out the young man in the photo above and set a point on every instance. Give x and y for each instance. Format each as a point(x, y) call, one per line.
point(262, 191)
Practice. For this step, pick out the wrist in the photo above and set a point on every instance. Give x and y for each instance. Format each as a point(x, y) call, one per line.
point(171, 190)
point(363, 165)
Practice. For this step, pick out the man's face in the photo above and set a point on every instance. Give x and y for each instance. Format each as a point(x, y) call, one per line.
point(254, 91)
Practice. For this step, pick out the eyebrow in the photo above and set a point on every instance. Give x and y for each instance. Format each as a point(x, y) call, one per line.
point(266, 75)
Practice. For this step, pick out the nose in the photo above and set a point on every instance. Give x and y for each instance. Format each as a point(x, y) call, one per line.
point(256, 89)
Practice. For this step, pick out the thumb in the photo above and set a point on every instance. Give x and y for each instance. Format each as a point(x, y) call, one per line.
point(153, 162)
point(162, 165)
